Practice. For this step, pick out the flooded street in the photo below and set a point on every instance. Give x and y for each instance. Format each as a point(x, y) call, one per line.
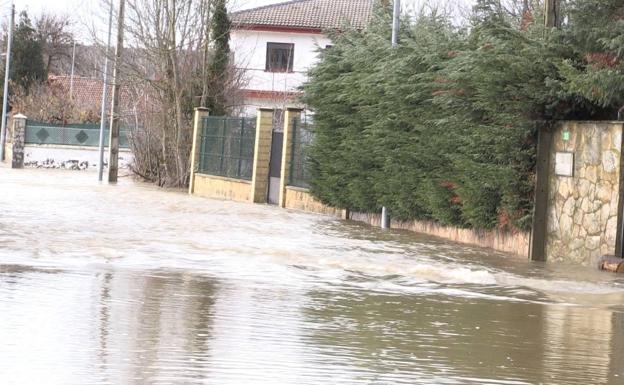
point(130, 284)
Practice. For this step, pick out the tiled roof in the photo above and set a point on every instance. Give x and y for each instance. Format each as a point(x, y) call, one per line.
point(87, 93)
point(308, 14)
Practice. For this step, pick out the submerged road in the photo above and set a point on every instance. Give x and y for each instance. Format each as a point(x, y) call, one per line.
point(130, 284)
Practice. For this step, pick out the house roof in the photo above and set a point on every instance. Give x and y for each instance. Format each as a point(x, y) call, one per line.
point(307, 15)
point(87, 93)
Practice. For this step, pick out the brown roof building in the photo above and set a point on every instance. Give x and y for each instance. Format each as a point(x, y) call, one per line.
point(310, 15)
point(277, 44)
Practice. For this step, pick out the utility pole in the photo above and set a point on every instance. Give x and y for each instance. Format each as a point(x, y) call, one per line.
point(552, 17)
point(113, 145)
point(537, 247)
point(7, 68)
point(104, 94)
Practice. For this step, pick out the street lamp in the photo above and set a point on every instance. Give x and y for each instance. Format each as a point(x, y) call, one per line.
point(5, 100)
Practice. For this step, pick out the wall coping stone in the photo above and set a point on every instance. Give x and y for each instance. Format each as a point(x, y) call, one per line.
point(224, 178)
point(590, 121)
point(300, 189)
point(70, 147)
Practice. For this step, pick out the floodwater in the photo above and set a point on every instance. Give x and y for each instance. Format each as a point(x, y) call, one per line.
point(129, 284)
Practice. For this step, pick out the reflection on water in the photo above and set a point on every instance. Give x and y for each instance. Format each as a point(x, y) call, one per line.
point(131, 285)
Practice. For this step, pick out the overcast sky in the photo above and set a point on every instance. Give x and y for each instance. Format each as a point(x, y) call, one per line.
point(85, 12)
point(88, 12)
point(73, 6)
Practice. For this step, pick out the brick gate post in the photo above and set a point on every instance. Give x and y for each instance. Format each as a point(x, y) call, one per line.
point(262, 156)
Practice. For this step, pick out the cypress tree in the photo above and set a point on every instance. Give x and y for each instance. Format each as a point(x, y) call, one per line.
point(218, 71)
point(594, 37)
point(444, 126)
point(27, 66)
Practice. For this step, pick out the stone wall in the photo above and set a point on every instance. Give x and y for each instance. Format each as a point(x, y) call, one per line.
point(583, 208)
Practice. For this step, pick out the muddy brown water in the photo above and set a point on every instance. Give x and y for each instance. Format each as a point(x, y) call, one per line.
point(129, 284)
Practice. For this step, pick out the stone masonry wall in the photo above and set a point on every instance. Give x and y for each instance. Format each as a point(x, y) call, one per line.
point(583, 208)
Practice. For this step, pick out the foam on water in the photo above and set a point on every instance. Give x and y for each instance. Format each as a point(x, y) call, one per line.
point(140, 227)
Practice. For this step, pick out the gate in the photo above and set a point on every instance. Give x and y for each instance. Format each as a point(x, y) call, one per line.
point(299, 175)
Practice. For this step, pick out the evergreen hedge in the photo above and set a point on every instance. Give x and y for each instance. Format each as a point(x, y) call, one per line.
point(444, 126)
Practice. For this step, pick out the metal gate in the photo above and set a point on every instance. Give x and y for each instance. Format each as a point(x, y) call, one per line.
point(275, 167)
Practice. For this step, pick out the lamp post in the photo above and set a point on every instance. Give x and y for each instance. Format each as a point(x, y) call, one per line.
point(104, 93)
point(396, 14)
point(5, 99)
point(71, 77)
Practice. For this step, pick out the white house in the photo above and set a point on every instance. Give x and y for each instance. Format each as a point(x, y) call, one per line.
point(275, 45)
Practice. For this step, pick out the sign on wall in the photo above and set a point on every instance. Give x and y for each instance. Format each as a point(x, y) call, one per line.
point(564, 164)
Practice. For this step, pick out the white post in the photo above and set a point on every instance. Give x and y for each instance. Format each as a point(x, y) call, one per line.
point(385, 218)
point(396, 14)
point(5, 100)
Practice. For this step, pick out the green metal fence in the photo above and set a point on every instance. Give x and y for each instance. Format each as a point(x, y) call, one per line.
point(227, 147)
point(71, 135)
point(301, 139)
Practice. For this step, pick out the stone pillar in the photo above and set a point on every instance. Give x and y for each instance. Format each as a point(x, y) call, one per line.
point(200, 114)
point(290, 114)
point(262, 156)
point(18, 140)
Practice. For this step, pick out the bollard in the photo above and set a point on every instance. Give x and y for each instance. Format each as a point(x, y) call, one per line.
point(385, 218)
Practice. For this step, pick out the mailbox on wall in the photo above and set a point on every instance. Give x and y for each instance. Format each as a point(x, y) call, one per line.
point(564, 164)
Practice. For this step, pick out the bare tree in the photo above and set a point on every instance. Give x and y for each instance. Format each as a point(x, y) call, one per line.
point(54, 33)
point(170, 51)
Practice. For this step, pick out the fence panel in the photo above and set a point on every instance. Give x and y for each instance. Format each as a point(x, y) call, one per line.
point(87, 135)
point(301, 138)
point(227, 147)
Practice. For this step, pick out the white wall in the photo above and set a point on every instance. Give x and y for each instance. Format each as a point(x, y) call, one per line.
point(250, 54)
point(58, 156)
